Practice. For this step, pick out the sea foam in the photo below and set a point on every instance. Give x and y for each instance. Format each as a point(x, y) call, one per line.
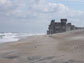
point(11, 37)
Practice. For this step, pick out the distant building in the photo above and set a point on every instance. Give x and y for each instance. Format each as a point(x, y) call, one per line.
point(58, 27)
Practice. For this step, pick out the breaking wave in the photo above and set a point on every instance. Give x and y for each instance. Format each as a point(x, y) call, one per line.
point(11, 37)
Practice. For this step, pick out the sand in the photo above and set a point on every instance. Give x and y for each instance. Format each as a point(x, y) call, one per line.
point(65, 47)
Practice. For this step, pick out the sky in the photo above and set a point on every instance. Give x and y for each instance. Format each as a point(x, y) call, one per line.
point(34, 16)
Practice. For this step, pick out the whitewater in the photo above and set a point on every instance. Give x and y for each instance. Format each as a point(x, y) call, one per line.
point(12, 37)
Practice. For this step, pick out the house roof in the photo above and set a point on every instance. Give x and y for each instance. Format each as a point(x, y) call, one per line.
point(57, 23)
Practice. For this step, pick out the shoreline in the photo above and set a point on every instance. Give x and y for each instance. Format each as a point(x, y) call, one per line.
point(56, 48)
point(20, 39)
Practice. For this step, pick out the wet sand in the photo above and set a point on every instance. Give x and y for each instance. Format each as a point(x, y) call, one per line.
point(65, 47)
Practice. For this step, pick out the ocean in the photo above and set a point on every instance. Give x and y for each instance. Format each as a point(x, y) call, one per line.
point(12, 37)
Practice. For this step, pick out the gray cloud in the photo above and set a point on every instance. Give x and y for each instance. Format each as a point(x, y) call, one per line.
point(34, 15)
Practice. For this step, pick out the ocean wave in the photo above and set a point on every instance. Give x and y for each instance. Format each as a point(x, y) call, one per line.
point(11, 37)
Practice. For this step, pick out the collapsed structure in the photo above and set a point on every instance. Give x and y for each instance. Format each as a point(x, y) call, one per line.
point(58, 27)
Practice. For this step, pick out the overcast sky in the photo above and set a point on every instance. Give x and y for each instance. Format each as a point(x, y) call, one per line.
point(34, 16)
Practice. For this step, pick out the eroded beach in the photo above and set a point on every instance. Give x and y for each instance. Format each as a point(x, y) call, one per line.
point(65, 47)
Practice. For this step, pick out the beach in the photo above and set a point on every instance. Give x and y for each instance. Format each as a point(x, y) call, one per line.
point(67, 47)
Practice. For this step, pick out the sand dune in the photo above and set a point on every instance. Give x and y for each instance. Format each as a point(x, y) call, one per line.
point(65, 47)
